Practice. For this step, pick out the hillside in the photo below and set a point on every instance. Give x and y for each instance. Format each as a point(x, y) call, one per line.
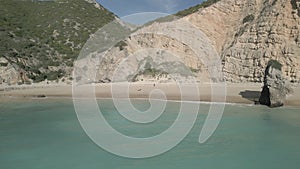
point(39, 39)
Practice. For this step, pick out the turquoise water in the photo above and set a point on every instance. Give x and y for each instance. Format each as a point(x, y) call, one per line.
point(45, 134)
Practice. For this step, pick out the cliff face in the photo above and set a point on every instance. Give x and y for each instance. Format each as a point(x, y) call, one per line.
point(245, 33)
point(158, 52)
point(267, 30)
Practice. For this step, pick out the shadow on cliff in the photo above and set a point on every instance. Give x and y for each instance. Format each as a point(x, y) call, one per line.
point(251, 95)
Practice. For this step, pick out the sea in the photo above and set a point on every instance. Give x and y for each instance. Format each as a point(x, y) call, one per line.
point(46, 134)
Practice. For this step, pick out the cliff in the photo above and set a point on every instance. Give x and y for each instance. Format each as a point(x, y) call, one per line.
point(43, 40)
point(246, 34)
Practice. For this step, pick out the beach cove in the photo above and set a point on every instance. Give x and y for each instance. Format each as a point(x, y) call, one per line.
point(247, 93)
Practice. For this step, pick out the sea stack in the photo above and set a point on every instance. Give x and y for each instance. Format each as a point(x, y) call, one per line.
point(276, 87)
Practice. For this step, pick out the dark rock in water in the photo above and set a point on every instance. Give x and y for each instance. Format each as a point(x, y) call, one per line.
point(275, 86)
point(41, 96)
point(265, 96)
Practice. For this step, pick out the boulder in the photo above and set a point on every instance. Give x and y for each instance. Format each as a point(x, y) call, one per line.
point(276, 87)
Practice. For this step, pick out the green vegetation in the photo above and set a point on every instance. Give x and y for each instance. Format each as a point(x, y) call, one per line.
point(168, 18)
point(149, 72)
point(248, 18)
point(37, 34)
point(194, 70)
point(193, 9)
point(275, 64)
point(295, 6)
point(240, 32)
point(274, 2)
point(183, 13)
point(54, 75)
point(152, 72)
point(121, 45)
point(3, 64)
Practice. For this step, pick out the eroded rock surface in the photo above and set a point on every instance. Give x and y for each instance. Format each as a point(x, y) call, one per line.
point(275, 88)
point(245, 33)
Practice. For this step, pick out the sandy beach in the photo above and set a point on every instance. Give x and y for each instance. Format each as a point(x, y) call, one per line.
point(235, 93)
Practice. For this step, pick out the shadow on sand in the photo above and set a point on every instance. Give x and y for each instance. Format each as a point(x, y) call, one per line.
point(251, 95)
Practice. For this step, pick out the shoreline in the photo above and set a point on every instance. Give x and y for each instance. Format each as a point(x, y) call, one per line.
point(246, 93)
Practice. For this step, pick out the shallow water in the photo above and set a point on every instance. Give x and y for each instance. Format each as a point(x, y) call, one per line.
point(46, 134)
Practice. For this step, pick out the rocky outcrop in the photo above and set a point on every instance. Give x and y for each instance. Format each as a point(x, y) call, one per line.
point(267, 30)
point(11, 74)
point(8, 73)
point(275, 87)
point(245, 33)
